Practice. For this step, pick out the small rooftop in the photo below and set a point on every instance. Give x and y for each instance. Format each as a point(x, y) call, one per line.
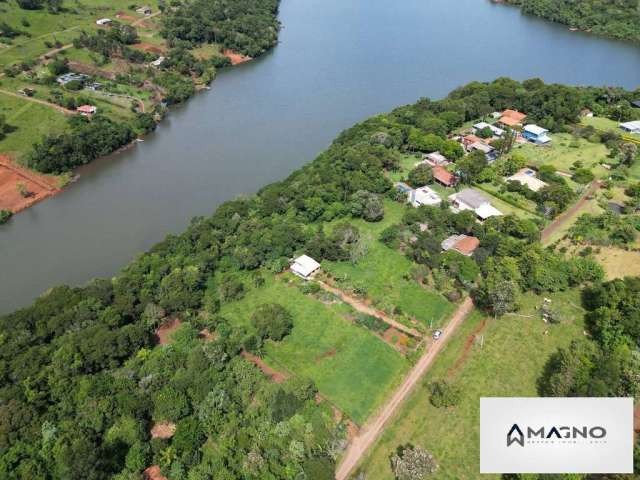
point(516, 115)
point(471, 197)
point(535, 129)
point(463, 244)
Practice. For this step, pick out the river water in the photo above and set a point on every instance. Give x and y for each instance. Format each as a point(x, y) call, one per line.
point(338, 62)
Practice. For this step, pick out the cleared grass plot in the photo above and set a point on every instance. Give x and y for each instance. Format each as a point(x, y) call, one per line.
point(352, 368)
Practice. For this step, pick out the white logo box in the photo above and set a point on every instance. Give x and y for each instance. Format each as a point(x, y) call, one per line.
point(556, 435)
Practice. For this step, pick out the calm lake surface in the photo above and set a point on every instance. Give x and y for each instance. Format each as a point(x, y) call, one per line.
point(339, 61)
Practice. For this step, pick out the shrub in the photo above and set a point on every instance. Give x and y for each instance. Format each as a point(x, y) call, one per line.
point(272, 321)
point(444, 394)
point(412, 463)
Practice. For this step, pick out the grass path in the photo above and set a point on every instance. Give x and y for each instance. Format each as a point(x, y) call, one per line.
point(66, 111)
point(372, 430)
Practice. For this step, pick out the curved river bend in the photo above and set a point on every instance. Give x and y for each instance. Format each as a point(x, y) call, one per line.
point(338, 62)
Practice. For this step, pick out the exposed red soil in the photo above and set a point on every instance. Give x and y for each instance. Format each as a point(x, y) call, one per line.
point(327, 354)
point(277, 377)
point(125, 17)
point(236, 58)
point(11, 175)
point(352, 430)
point(466, 350)
point(91, 70)
point(396, 339)
point(163, 430)
point(149, 47)
point(153, 473)
point(164, 331)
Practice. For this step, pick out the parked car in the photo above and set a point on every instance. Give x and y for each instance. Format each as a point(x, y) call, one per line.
point(437, 334)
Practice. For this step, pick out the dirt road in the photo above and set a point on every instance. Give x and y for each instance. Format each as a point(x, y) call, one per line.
point(66, 111)
point(568, 215)
point(372, 430)
point(362, 307)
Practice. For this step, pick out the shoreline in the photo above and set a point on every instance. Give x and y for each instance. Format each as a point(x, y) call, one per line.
point(7, 162)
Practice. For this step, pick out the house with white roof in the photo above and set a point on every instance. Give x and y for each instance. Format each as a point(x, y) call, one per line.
point(435, 159)
point(424, 196)
point(498, 132)
point(631, 127)
point(470, 199)
point(536, 134)
point(305, 266)
point(527, 176)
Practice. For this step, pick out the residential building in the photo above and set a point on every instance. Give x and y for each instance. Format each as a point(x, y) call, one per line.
point(463, 244)
point(631, 127)
point(527, 176)
point(536, 134)
point(434, 159)
point(86, 110)
point(509, 116)
point(71, 77)
point(305, 266)
point(469, 140)
point(424, 196)
point(498, 132)
point(443, 176)
point(635, 104)
point(471, 199)
point(489, 152)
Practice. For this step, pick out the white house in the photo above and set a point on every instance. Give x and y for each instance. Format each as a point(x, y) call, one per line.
point(498, 132)
point(527, 176)
point(536, 134)
point(631, 127)
point(424, 196)
point(103, 21)
point(434, 159)
point(305, 266)
point(470, 199)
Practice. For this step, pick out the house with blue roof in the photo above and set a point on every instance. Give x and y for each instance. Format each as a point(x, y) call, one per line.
point(536, 134)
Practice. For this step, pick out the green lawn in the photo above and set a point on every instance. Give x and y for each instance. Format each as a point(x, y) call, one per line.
point(601, 123)
point(382, 271)
point(352, 367)
point(30, 120)
point(513, 357)
point(564, 151)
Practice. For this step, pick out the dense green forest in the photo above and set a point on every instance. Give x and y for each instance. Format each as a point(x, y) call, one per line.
point(249, 27)
point(82, 380)
point(613, 18)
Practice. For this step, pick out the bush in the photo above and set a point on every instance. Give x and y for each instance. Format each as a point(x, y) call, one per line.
point(272, 321)
point(5, 215)
point(444, 394)
point(420, 176)
point(412, 463)
point(583, 176)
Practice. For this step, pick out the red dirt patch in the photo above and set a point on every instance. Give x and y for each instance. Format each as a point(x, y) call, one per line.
point(277, 377)
point(148, 47)
point(236, 58)
point(153, 473)
point(163, 430)
point(352, 430)
point(38, 186)
point(125, 17)
point(397, 339)
point(327, 354)
point(164, 331)
point(466, 349)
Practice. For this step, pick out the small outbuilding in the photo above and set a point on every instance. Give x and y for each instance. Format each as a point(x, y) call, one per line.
point(103, 21)
point(305, 266)
point(498, 132)
point(87, 110)
point(146, 10)
point(434, 159)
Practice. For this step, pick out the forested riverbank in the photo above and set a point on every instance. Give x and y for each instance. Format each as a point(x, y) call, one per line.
point(601, 17)
point(114, 77)
point(84, 380)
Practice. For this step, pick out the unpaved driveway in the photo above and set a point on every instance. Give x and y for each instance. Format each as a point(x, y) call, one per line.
point(372, 430)
point(366, 309)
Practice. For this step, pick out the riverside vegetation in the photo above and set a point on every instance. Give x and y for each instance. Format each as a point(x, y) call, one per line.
point(84, 381)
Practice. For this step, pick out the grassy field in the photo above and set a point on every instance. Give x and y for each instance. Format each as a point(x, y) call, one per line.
point(509, 363)
point(564, 151)
point(30, 120)
point(382, 271)
point(352, 367)
point(618, 263)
